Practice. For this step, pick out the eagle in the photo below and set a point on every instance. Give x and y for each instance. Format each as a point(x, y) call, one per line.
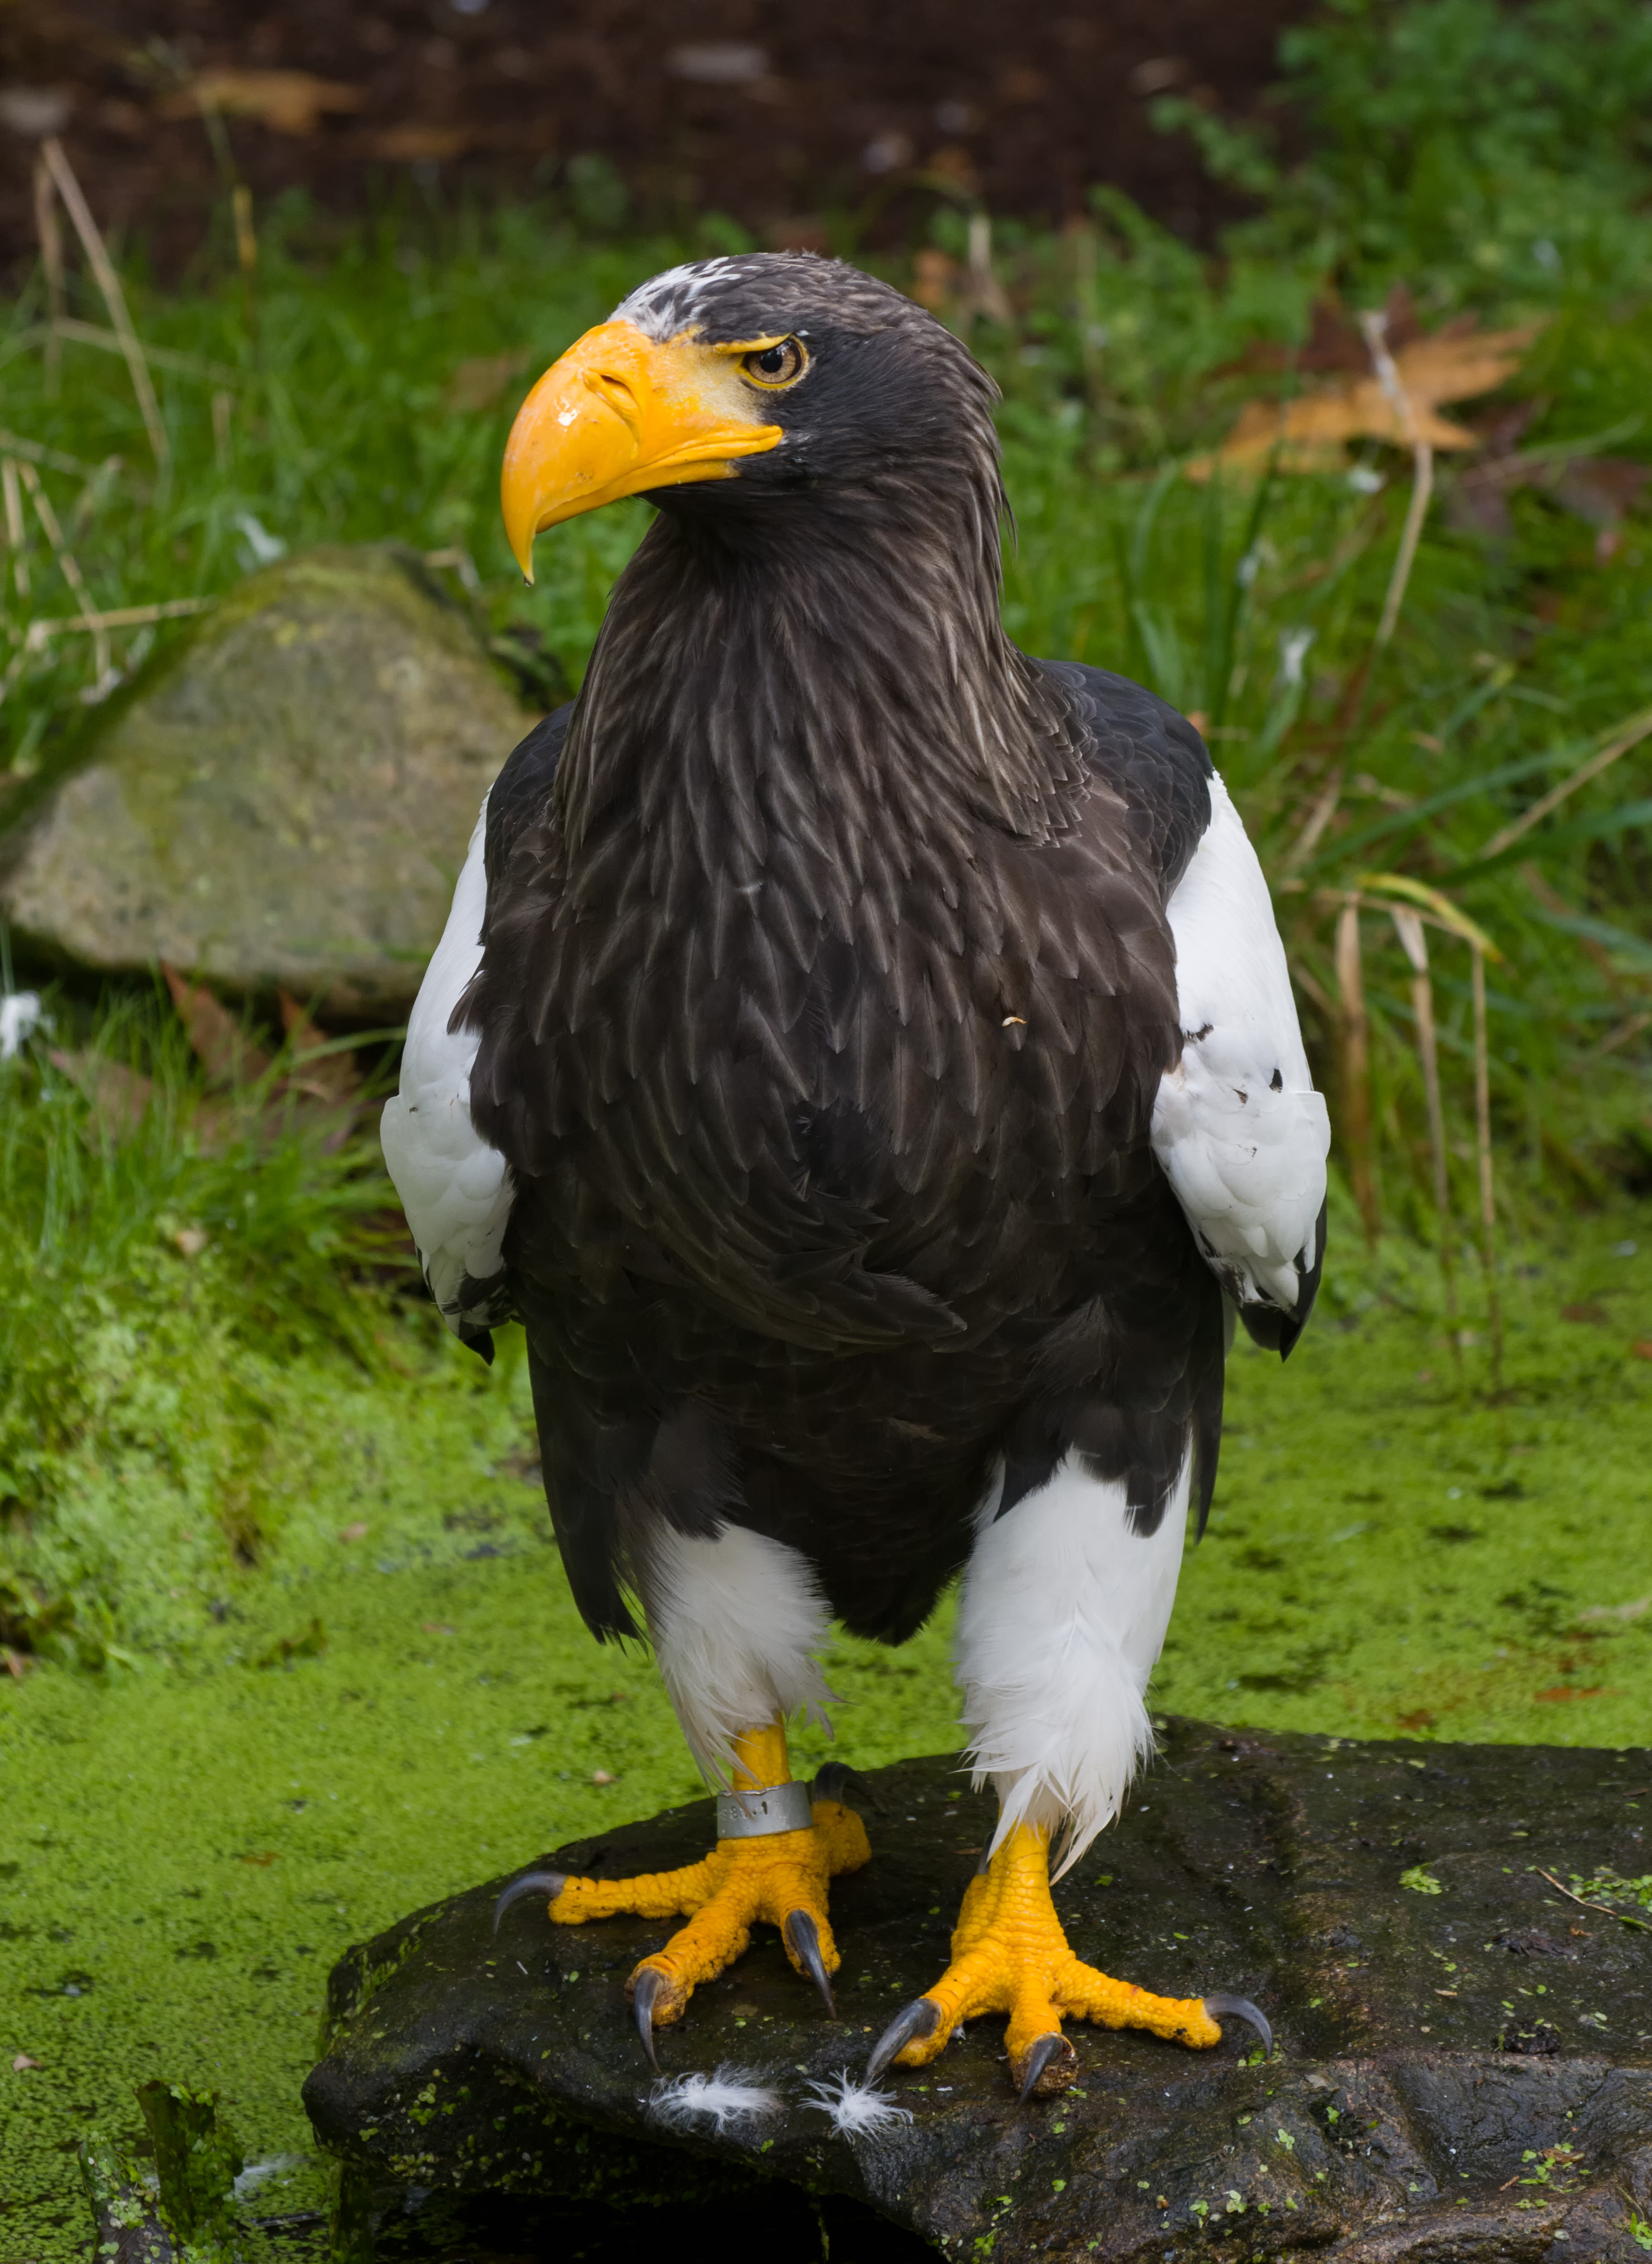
point(863, 1058)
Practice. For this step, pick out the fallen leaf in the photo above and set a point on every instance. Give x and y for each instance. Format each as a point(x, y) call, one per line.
point(601, 1776)
point(1563, 1691)
point(1600, 491)
point(481, 382)
point(417, 145)
point(119, 1095)
point(222, 1047)
point(437, 1627)
point(22, 2064)
point(190, 1240)
point(1641, 1348)
point(1310, 432)
point(16, 1663)
point(319, 1073)
point(356, 1532)
point(1635, 1611)
point(263, 1860)
point(290, 101)
point(1335, 340)
point(1582, 1313)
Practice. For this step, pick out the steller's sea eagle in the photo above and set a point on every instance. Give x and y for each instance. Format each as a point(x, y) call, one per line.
point(863, 1058)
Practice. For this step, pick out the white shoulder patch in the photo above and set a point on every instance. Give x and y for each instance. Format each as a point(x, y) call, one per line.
point(456, 1190)
point(1238, 1127)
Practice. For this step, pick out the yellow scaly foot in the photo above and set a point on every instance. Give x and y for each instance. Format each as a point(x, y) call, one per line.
point(1011, 1956)
point(778, 1876)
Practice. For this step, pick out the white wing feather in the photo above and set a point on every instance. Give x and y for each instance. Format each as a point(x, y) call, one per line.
point(1238, 1127)
point(456, 1190)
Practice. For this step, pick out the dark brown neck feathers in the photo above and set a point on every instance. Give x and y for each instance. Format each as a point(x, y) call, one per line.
point(834, 681)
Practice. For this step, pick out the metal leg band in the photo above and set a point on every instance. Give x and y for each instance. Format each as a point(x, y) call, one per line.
point(776, 1808)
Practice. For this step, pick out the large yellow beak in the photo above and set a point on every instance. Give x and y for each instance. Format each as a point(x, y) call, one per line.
point(618, 413)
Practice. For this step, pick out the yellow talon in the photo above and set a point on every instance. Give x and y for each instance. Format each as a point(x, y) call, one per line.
point(1011, 1956)
point(781, 1877)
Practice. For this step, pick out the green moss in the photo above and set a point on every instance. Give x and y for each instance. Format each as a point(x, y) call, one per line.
point(185, 1848)
point(1393, 1555)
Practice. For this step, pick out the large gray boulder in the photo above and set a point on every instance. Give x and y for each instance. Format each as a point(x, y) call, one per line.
point(284, 800)
point(1463, 2072)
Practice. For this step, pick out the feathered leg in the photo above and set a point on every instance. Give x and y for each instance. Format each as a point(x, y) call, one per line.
point(1063, 1613)
point(735, 1621)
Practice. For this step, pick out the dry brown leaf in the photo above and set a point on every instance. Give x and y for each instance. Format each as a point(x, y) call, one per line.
point(119, 1095)
point(417, 145)
point(1310, 433)
point(333, 1078)
point(290, 101)
point(222, 1047)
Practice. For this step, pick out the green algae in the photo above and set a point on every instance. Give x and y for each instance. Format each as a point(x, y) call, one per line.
point(188, 1844)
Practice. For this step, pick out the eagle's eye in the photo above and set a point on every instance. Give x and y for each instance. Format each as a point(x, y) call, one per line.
point(782, 364)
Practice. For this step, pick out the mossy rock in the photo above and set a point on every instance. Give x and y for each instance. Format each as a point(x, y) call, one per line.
point(284, 798)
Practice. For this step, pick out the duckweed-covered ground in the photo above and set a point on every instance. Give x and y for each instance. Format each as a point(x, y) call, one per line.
point(372, 1721)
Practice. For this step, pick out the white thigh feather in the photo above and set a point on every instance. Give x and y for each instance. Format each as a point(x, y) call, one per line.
point(1061, 1617)
point(734, 1622)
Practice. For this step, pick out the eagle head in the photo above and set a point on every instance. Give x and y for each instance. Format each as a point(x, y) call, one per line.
point(726, 386)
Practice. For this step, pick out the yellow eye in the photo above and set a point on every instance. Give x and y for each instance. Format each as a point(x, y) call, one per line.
point(782, 364)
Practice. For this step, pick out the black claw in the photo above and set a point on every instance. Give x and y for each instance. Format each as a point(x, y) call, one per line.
point(1240, 2008)
point(802, 1938)
point(646, 1987)
point(1044, 2049)
point(549, 1884)
point(837, 1778)
point(921, 2017)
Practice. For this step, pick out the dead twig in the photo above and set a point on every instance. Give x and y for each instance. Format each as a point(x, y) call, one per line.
point(117, 617)
point(1604, 1909)
point(1319, 816)
point(49, 459)
point(16, 533)
point(52, 260)
point(1629, 734)
point(69, 569)
point(1407, 923)
point(1624, 1031)
point(1375, 325)
point(1356, 1067)
point(184, 364)
point(1483, 1141)
point(103, 268)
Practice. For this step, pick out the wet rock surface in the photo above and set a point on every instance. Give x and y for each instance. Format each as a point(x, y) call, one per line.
point(1463, 2066)
point(286, 800)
